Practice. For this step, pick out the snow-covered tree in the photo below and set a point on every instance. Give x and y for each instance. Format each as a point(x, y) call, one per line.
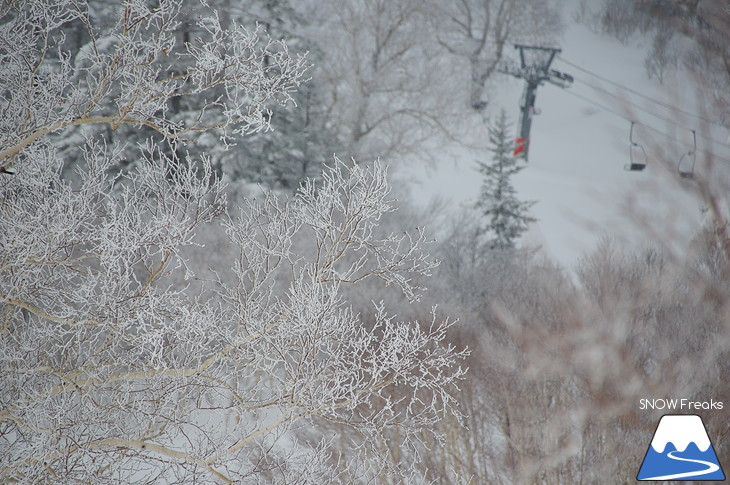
point(505, 216)
point(300, 140)
point(382, 78)
point(478, 31)
point(127, 73)
point(686, 35)
point(122, 361)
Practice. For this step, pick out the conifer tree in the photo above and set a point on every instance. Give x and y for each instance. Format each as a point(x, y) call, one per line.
point(505, 216)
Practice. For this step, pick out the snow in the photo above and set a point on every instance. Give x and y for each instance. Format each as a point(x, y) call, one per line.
point(681, 430)
point(578, 151)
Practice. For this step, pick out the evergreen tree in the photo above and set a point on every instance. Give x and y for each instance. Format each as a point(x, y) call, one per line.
point(505, 216)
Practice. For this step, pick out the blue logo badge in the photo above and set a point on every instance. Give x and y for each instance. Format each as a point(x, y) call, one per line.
point(680, 450)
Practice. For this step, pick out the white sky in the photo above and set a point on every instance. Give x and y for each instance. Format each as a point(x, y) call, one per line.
point(578, 152)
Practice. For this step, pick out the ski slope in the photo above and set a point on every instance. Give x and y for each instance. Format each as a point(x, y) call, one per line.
point(580, 145)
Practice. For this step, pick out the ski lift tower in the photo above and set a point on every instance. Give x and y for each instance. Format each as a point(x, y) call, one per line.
point(534, 69)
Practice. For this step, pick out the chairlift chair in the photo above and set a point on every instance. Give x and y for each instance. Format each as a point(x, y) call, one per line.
point(686, 164)
point(636, 164)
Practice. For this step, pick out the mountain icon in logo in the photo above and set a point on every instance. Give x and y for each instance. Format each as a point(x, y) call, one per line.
point(680, 450)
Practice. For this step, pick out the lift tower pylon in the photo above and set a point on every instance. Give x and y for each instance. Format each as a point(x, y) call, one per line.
point(534, 69)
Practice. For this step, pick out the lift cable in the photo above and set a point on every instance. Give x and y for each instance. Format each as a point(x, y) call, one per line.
point(652, 113)
point(623, 117)
point(637, 93)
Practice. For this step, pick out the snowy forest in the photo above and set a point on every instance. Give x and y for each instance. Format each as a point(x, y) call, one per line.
point(213, 269)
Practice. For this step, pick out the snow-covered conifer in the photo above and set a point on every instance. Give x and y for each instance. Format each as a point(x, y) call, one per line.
point(505, 216)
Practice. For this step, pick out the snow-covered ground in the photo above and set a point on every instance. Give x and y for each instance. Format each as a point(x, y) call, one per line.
point(579, 146)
